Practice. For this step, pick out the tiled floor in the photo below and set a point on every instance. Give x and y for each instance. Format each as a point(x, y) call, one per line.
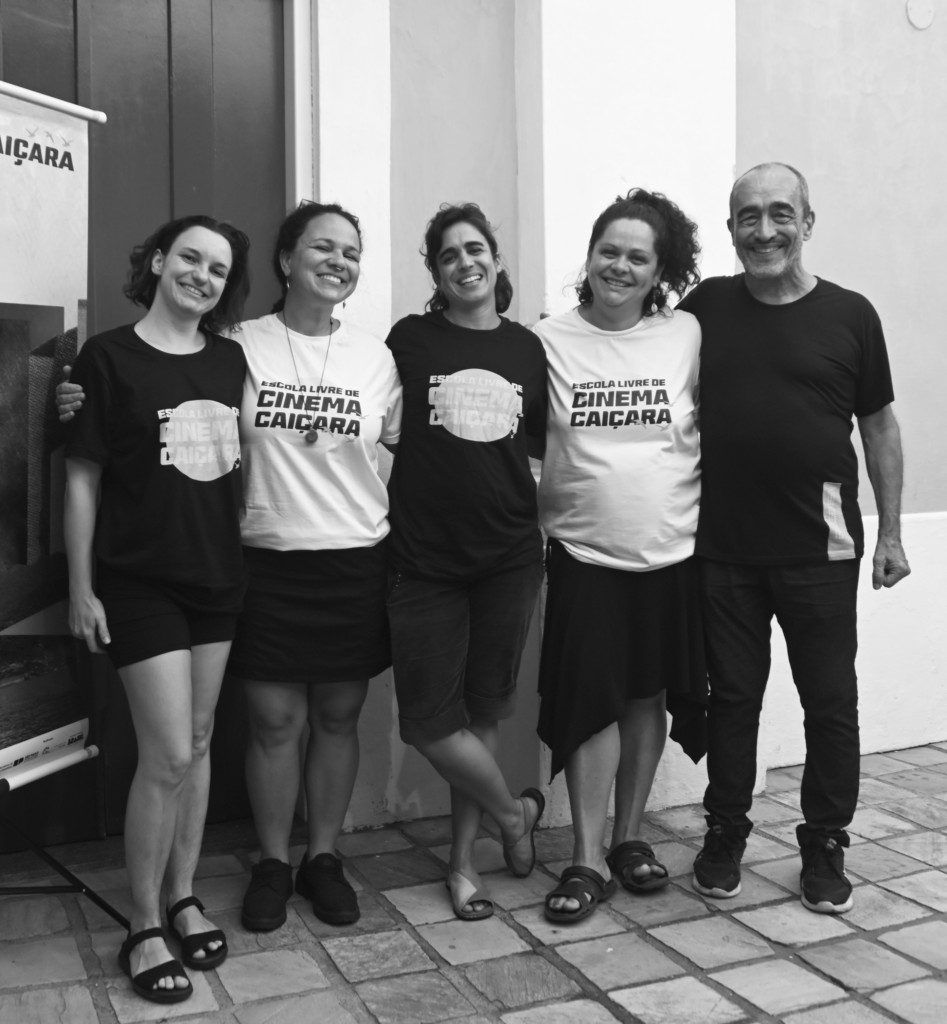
point(667, 958)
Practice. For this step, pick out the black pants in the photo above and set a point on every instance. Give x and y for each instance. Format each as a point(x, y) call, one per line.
point(815, 606)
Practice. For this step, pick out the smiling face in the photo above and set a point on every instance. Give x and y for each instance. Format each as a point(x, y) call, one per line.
point(193, 273)
point(622, 267)
point(769, 223)
point(466, 268)
point(324, 265)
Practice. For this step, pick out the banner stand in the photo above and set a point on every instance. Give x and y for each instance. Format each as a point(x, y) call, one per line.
point(76, 885)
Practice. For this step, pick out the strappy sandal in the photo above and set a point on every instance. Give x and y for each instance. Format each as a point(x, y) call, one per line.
point(583, 884)
point(191, 944)
point(633, 854)
point(143, 982)
point(463, 892)
point(534, 794)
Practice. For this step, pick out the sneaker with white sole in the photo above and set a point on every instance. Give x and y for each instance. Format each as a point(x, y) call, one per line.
point(824, 884)
point(717, 866)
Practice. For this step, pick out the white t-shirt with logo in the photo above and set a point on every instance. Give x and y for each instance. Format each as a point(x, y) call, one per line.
point(620, 483)
point(313, 412)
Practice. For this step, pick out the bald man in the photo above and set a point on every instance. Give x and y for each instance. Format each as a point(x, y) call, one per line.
point(787, 360)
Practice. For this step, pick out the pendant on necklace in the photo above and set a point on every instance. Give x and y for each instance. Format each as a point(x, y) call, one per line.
point(312, 436)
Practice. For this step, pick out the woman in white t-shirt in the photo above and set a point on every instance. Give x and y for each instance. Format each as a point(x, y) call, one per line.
point(618, 500)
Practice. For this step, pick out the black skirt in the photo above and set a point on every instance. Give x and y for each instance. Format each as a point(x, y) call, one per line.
point(611, 636)
point(313, 616)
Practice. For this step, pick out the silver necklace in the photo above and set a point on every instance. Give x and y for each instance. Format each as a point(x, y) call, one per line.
point(312, 435)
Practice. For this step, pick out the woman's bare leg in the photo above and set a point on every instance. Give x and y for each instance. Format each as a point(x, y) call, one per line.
point(466, 813)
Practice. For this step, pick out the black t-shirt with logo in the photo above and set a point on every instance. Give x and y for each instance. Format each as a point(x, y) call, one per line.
point(463, 498)
point(779, 385)
point(164, 429)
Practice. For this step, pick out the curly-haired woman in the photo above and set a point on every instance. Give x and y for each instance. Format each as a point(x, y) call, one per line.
point(159, 440)
point(619, 499)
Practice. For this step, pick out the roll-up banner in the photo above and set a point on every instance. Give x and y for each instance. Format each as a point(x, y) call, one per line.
point(44, 225)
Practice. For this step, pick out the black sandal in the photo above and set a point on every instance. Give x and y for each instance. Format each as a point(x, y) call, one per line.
point(583, 884)
point(540, 800)
point(627, 856)
point(143, 982)
point(323, 882)
point(191, 944)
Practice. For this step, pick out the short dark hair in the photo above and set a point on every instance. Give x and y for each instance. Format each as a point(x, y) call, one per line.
point(291, 230)
point(447, 216)
point(800, 178)
point(675, 242)
point(142, 281)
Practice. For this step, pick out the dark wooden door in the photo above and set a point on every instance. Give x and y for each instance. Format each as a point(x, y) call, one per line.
point(193, 90)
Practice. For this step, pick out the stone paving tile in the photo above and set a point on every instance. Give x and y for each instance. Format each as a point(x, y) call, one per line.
point(862, 966)
point(784, 873)
point(488, 854)
point(778, 986)
point(838, 1013)
point(276, 972)
point(388, 870)
point(106, 945)
point(926, 942)
point(550, 934)
point(786, 833)
point(463, 942)
point(927, 811)
point(96, 919)
point(768, 812)
point(422, 904)
point(323, 1007)
point(929, 847)
point(377, 840)
point(130, 1008)
point(649, 832)
point(70, 1005)
point(790, 924)
point(428, 831)
point(919, 1002)
point(872, 823)
point(223, 892)
point(686, 822)
point(580, 1011)
point(789, 797)
point(113, 878)
point(760, 848)
point(241, 941)
point(619, 960)
point(877, 908)
point(518, 980)
point(29, 916)
point(777, 780)
point(663, 906)
point(881, 791)
point(554, 843)
point(41, 962)
point(676, 857)
point(415, 999)
point(876, 862)
point(682, 1001)
point(927, 887)
point(379, 955)
point(512, 893)
point(880, 764)
point(920, 781)
point(226, 864)
point(754, 890)
point(374, 918)
point(922, 757)
point(712, 942)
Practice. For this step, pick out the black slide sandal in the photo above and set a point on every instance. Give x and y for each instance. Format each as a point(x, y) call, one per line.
point(190, 944)
point(143, 982)
point(627, 856)
point(583, 884)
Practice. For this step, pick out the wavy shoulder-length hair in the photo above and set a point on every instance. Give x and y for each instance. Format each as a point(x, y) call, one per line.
point(142, 281)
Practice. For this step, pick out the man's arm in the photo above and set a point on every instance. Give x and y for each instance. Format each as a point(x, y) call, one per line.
point(881, 438)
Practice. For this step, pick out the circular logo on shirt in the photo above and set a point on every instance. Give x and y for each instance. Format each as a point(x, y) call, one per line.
point(201, 439)
point(477, 405)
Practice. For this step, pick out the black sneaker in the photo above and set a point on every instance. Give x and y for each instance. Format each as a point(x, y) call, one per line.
point(264, 903)
point(824, 884)
point(322, 881)
point(717, 866)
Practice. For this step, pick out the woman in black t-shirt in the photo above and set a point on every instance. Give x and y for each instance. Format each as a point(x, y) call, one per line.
point(158, 439)
point(465, 547)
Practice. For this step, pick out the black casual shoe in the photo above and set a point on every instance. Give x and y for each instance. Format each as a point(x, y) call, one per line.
point(825, 886)
point(264, 903)
point(717, 866)
point(322, 881)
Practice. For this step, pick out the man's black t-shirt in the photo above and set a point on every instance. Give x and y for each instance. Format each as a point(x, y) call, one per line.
point(779, 385)
point(164, 427)
point(463, 499)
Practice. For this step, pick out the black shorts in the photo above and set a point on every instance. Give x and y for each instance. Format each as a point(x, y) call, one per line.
point(313, 616)
point(456, 648)
point(614, 635)
point(146, 618)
